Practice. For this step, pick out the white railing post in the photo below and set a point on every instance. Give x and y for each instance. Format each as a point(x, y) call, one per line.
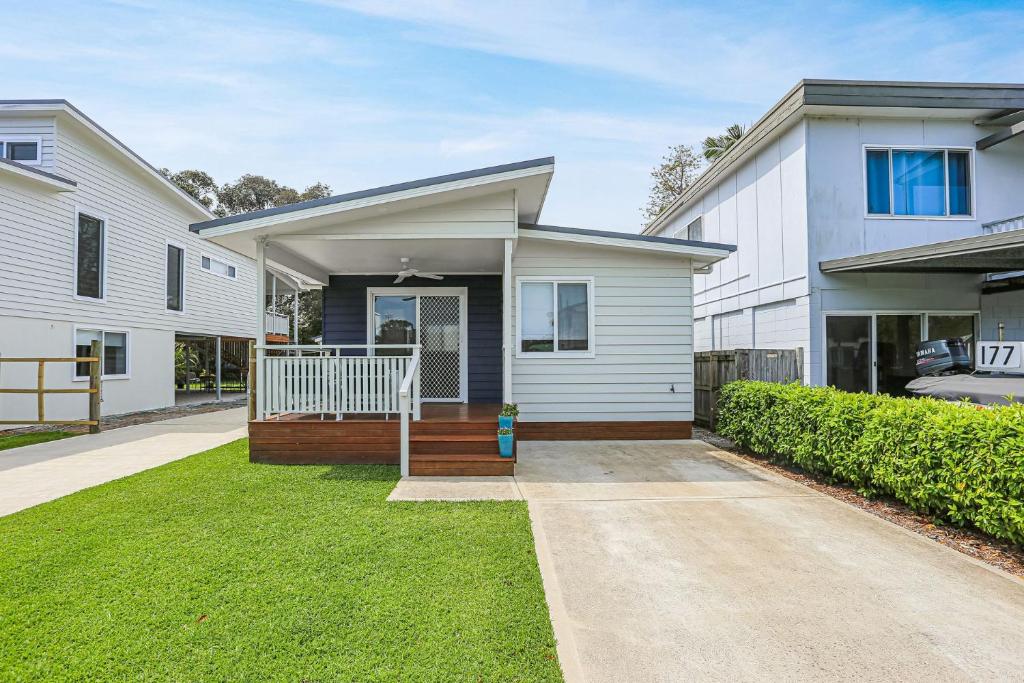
point(417, 403)
point(261, 383)
point(403, 401)
point(410, 385)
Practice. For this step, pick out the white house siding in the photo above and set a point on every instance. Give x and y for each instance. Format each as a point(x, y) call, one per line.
point(839, 227)
point(37, 229)
point(149, 386)
point(42, 126)
point(1006, 308)
point(761, 208)
point(644, 338)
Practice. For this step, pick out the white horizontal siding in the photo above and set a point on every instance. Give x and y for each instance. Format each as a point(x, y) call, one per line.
point(43, 126)
point(37, 263)
point(644, 338)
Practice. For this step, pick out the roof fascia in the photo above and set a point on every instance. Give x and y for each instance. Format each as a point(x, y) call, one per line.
point(708, 254)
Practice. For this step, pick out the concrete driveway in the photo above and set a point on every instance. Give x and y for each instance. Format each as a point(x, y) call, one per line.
point(31, 475)
point(672, 561)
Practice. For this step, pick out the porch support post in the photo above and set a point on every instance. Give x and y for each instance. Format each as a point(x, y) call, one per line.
point(261, 320)
point(217, 367)
point(295, 316)
point(506, 325)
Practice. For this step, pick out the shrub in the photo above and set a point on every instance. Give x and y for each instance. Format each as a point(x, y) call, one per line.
point(955, 461)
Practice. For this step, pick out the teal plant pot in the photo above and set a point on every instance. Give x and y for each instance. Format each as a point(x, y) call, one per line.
point(506, 422)
point(505, 445)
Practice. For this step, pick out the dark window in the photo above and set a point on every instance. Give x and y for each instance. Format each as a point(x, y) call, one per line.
point(90, 257)
point(175, 278)
point(115, 352)
point(848, 345)
point(22, 151)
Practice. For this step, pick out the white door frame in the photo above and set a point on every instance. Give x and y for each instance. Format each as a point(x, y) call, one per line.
point(463, 294)
point(873, 333)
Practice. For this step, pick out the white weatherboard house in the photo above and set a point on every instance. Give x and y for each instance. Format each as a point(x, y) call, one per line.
point(96, 245)
point(868, 217)
point(445, 297)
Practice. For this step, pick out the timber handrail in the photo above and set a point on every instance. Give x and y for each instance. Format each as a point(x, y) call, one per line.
point(96, 353)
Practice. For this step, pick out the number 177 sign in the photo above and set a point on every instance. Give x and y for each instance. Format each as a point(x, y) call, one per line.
point(1000, 356)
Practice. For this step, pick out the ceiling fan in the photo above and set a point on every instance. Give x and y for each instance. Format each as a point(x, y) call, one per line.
point(406, 271)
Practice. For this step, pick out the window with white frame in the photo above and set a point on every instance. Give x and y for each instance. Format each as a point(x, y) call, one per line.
point(21, 149)
point(918, 182)
point(113, 363)
point(90, 256)
point(556, 316)
point(694, 230)
point(218, 267)
point(175, 278)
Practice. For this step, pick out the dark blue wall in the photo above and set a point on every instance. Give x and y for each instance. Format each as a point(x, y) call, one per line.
point(345, 321)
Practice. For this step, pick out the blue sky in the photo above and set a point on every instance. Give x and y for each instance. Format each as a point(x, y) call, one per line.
point(359, 93)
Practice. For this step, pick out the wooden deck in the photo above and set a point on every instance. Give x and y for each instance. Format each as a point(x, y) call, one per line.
point(449, 440)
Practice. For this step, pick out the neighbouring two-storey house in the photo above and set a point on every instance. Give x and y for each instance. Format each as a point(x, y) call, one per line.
point(868, 216)
point(95, 245)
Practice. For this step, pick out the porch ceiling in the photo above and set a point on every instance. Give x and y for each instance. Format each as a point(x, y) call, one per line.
point(372, 257)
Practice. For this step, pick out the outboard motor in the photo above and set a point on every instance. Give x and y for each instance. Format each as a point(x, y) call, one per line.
point(939, 356)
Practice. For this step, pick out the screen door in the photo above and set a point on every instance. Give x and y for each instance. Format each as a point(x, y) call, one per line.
point(434, 318)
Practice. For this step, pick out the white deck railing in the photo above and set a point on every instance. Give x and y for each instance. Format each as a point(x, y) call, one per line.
point(312, 379)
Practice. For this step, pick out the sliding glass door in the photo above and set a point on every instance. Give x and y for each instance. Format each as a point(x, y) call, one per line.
point(896, 340)
point(848, 347)
point(876, 352)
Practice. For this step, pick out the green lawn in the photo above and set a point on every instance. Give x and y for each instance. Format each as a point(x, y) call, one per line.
point(15, 440)
point(212, 568)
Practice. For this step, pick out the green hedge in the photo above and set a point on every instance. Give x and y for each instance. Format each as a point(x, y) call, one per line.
point(955, 461)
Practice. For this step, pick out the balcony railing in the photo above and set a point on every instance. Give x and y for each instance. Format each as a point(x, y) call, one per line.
point(277, 323)
point(326, 380)
point(1005, 225)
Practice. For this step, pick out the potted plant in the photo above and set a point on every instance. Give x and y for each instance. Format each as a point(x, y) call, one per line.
point(507, 416)
point(505, 438)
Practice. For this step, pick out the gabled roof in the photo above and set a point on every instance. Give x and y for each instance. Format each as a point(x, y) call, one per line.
point(989, 104)
point(384, 191)
point(60, 106)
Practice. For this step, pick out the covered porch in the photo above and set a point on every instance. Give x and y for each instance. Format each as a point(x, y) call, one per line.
point(416, 357)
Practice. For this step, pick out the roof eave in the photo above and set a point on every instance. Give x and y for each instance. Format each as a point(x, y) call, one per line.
point(287, 214)
point(50, 181)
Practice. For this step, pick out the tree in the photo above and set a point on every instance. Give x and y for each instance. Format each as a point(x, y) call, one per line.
point(199, 184)
point(311, 313)
point(715, 146)
point(256, 192)
point(677, 171)
point(253, 193)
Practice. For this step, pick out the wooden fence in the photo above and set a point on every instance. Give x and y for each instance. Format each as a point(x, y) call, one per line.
point(96, 352)
point(713, 369)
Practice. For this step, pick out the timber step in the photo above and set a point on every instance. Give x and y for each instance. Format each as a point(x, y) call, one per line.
point(417, 429)
point(460, 465)
point(462, 444)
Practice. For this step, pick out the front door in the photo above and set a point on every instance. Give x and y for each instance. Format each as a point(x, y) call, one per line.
point(434, 318)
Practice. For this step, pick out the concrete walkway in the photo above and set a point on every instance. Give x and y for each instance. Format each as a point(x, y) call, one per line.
point(671, 561)
point(35, 474)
